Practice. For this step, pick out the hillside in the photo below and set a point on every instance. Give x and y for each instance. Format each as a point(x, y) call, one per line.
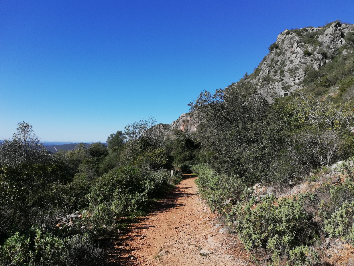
point(276, 157)
point(300, 57)
point(274, 154)
point(317, 61)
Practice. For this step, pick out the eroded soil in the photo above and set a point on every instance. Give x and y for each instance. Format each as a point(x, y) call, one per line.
point(181, 231)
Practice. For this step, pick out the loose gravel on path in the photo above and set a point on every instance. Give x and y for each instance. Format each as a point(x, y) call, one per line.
point(181, 231)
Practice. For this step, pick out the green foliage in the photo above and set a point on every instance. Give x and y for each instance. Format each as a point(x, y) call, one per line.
point(337, 209)
point(40, 190)
point(16, 250)
point(183, 150)
point(27, 192)
point(303, 255)
point(273, 47)
point(219, 190)
point(144, 147)
point(311, 38)
point(337, 72)
point(346, 84)
point(231, 121)
point(298, 32)
point(245, 141)
point(277, 225)
point(115, 141)
point(322, 52)
point(73, 194)
point(98, 150)
point(341, 223)
point(307, 52)
point(349, 38)
point(23, 148)
point(138, 129)
point(122, 192)
point(237, 134)
point(44, 248)
point(111, 161)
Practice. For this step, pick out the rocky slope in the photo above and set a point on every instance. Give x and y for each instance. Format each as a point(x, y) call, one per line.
point(295, 61)
point(296, 52)
point(186, 123)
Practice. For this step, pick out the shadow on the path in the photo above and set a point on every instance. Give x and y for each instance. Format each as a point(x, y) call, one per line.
point(120, 251)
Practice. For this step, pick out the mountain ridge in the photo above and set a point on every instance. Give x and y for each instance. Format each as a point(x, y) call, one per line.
point(296, 53)
point(297, 61)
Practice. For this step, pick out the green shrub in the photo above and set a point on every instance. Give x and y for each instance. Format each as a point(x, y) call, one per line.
point(15, 250)
point(273, 46)
point(219, 190)
point(341, 222)
point(303, 255)
point(345, 84)
point(118, 193)
point(311, 38)
point(322, 52)
point(123, 192)
point(44, 248)
point(275, 225)
point(349, 38)
point(338, 208)
point(307, 52)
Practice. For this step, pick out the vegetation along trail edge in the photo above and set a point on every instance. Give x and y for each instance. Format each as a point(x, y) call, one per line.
point(181, 231)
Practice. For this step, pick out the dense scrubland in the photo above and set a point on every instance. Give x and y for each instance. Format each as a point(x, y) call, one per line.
point(281, 174)
point(250, 161)
point(60, 209)
point(251, 154)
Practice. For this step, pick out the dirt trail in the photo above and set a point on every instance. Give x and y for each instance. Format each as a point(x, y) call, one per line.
point(181, 231)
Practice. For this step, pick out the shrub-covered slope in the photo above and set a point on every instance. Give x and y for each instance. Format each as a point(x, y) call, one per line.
point(265, 159)
point(264, 162)
point(60, 209)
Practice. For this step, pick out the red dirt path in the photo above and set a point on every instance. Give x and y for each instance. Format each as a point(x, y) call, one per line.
point(182, 231)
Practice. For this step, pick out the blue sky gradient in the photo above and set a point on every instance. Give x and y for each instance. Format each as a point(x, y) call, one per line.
point(79, 70)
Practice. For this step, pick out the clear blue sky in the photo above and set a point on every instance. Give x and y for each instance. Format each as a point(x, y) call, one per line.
point(79, 70)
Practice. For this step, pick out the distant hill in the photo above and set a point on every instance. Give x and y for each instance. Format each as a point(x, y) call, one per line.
point(49, 143)
point(65, 147)
point(53, 148)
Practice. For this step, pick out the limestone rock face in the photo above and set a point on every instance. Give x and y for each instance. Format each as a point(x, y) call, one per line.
point(186, 123)
point(291, 58)
point(283, 70)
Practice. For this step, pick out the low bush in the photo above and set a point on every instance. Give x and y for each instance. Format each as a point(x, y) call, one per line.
point(273, 46)
point(44, 248)
point(307, 52)
point(349, 38)
point(279, 226)
point(123, 192)
point(219, 190)
point(303, 255)
point(341, 222)
point(337, 209)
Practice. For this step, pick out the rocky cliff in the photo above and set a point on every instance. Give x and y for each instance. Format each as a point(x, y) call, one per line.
point(186, 122)
point(298, 51)
point(296, 55)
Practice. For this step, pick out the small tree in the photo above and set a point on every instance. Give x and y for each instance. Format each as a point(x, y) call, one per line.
point(138, 129)
point(115, 141)
point(24, 147)
point(27, 174)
